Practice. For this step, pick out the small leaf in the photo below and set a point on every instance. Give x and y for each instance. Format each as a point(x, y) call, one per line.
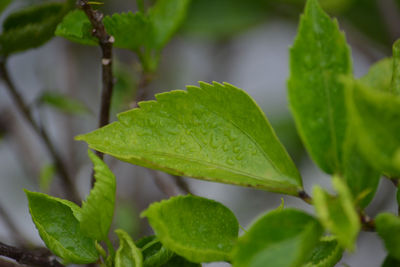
point(388, 228)
point(337, 214)
point(199, 229)
point(46, 176)
point(280, 238)
point(76, 27)
point(202, 133)
point(326, 254)
point(127, 255)
point(63, 103)
point(30, 27)
point(98, 209)
point(165, 17)
point(319, 56)
point(130, 30)
point(379, 75)
point(60, 230)
point(125, 87)
point(375, 116)
point(154, 253)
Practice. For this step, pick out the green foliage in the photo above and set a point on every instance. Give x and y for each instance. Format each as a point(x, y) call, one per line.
point(337, 213)
point(318, 58)
point(62, 103)
point(76, 27)
point(390, 262)
point(279, 238)
point(136, 24)
point(379, 75)
point(376, 116)
point(127, 255)
point(60, 230)
point(98, 209)
point(30, 27)
point(46, 176)
point(196, 228)
point(155, 254)
point(326, 254)
point(198, 134)
point(388, 228)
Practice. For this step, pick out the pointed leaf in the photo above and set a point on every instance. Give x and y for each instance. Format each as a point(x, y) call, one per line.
point(375, 116)
point(165, 17)
point(379, 75)
point(30, 27)
point(280, 238)
point(338, 214)
point(388, 228)
point(127, 255)
point(326, 254)
point(202, 133)
point(199, 229)
point(98, 209)
point(130, 30)
point(319, 56)
point(76, 27)
point(59, 228)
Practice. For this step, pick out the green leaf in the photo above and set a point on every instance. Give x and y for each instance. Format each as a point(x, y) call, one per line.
point(319, 56)
point(326, 254)
point(280, 238)
point(375, 116)
point(127, 255)
point(125, 86)
point(361, 178)
point(46, 176)
point(203, 133)
point(379, 75)
point(76, 27)
point(98, 209)
point(131, 31)
point(154, 253)
point(63, 103)
point(199, 229)
point(165, 17)
point(60, 230)
point(30, 27)
point(337, 214)
point(388, 228)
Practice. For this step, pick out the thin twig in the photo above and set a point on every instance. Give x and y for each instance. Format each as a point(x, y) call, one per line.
point(305, 197)
point(106, 43)
point(41, 132)
point(28, 257)
point(182, 184)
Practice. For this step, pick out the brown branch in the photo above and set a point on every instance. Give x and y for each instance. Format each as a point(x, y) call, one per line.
point(182, 184)
point(41, 132)
point(305, 197)
point(106, 43)
point(28, 257)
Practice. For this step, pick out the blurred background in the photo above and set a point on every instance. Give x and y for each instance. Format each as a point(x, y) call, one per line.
point(241, 42)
